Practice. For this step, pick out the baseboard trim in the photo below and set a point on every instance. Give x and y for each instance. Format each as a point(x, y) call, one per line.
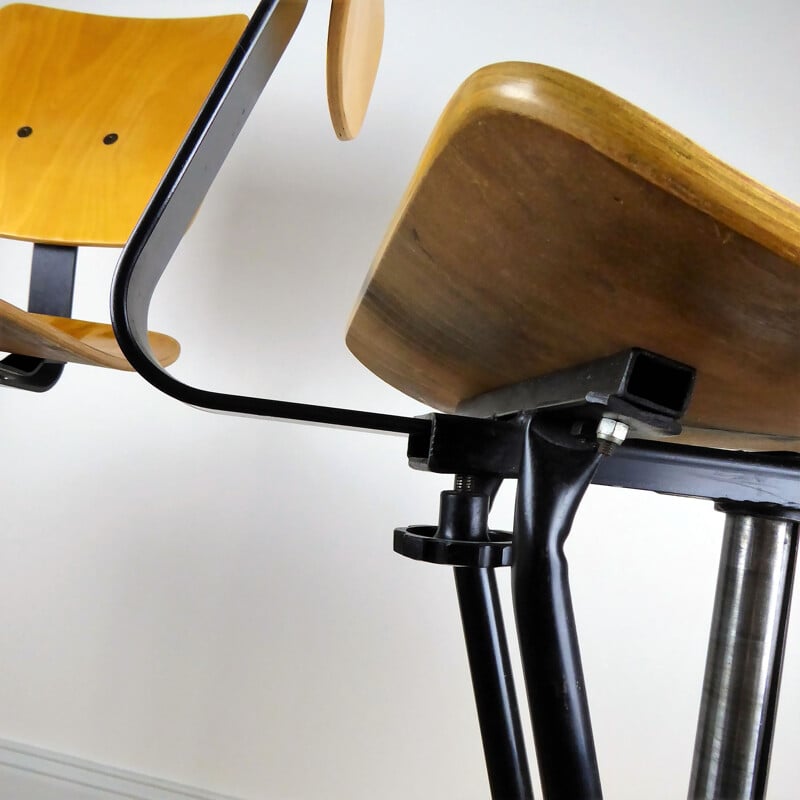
point(113, 782)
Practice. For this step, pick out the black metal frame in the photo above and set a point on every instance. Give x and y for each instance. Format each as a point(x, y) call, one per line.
point(51, 288)
point(463, 520)
point(552, 453)
point(555, 471)
point(177, 200)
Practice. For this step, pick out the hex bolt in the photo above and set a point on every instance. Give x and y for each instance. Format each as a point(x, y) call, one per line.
point(610, 433)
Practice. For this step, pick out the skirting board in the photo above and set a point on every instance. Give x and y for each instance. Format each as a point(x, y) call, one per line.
point(29, 773)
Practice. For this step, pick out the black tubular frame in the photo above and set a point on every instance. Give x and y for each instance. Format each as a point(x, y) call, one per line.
point(553, 463)
point(461, 516)
point(555, 471)
point(493, 684)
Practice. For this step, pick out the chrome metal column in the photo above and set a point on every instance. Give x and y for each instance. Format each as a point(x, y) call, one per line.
point(745, 654)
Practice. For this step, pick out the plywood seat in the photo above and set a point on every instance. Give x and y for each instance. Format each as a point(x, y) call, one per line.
point(92, 109)
point(550, 223)
point(71, 340)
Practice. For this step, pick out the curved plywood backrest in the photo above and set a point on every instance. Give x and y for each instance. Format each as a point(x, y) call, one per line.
point(355, 39)
point(551, 223)
point(92, 109)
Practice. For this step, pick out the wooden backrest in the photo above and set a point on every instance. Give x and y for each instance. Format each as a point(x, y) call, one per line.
point(355, 39)
point(92, 109)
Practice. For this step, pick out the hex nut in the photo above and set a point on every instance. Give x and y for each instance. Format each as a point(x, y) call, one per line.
point(612, 430)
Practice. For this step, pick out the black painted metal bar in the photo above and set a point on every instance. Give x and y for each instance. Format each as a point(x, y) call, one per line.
point(176, 201)
point(52, 283)
point(50, 291)
point(768, 479)
point(478, 446)
point(554, 473)
point(745, 656)
point(464, 515)
point(493, 684)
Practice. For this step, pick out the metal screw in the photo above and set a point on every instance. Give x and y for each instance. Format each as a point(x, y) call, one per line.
point(610, 433)
point(110, 138)
point(24, 131)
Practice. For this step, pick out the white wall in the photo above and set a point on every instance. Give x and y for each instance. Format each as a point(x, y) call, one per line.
point(214, 600)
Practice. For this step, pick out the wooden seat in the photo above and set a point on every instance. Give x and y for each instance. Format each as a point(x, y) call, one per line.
point(92, 109)
point(74, 340)
point(550, 223)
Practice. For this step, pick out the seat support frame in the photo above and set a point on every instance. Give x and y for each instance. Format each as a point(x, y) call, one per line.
point(554, 462)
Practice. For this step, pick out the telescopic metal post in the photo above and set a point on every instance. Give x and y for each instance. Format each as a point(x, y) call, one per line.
point(745, 655)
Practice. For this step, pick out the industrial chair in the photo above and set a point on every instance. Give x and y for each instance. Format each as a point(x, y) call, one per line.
point(564, 281)
point(93, 109)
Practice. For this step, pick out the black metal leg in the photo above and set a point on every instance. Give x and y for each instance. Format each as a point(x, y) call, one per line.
point(464, 516)
point(493, 683)
point(745, 654)
point(554, 473)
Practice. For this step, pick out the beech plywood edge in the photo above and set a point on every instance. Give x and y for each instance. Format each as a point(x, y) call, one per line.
point(549, 223)
point(93, 109)
point(355, 40)
point(71, 340)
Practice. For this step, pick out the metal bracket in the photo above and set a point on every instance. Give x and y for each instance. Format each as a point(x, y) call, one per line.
point(51, 290)
point(644, 391)
point(649, 391)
